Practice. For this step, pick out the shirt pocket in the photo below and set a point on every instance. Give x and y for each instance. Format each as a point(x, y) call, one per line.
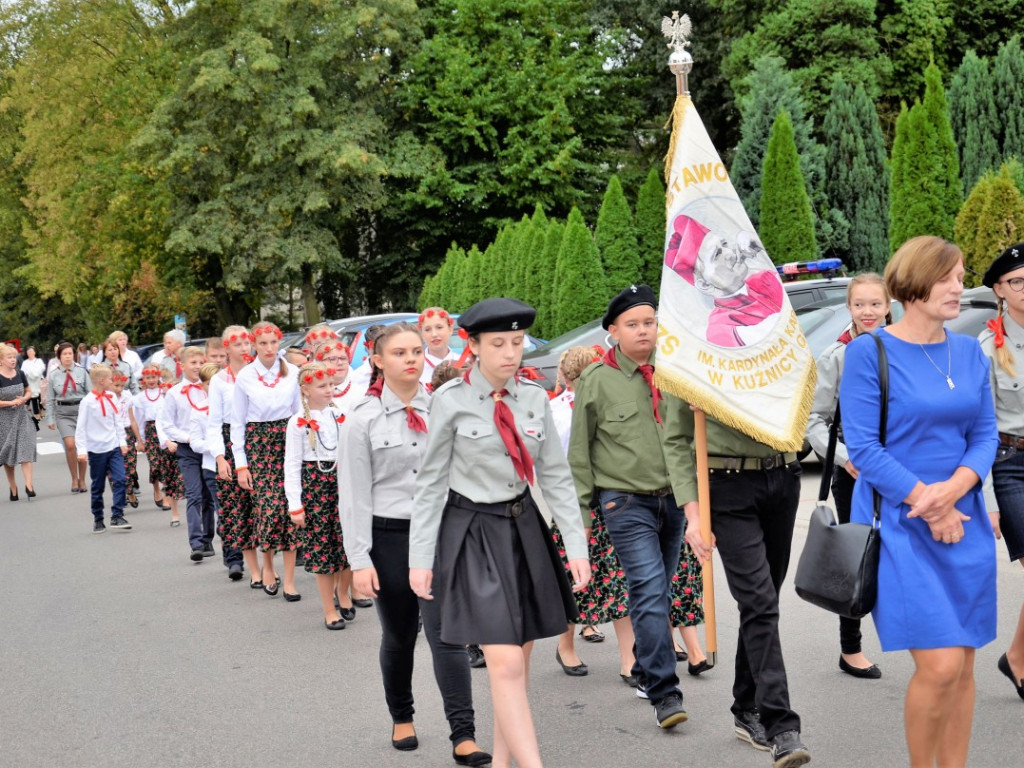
point(474, 430)
point(385, 441)
point(533, 430)
point(621, 421)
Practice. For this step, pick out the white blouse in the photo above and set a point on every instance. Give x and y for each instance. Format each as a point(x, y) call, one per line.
point(147, 407)
point(430, 363)
point(261, 396)
point(173, 423)
point(221, 399)
point(561, 412)
point(347, 394)
point(198, 422)
point(298, 450)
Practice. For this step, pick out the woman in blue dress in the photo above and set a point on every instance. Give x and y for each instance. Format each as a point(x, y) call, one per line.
point(937, 575)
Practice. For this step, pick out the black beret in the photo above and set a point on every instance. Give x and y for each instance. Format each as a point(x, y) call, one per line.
point(1010, 259)
point(496, 316)
point(634, 296)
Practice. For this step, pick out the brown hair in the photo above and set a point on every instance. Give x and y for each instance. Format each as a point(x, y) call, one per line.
point(380, 341)
point(213, 342)
point(573, 362)
point(869, 278)
point(918, 265)
point(444, 373)
point(265, 326)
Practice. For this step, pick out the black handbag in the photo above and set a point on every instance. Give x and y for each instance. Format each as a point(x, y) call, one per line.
point(838, 568)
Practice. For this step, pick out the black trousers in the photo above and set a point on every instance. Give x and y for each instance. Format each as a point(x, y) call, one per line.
point(842, 492)
point(399, 611)
point(752, 517)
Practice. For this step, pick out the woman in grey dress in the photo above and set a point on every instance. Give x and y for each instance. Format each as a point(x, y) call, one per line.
point(17, 436)
point(65, 387)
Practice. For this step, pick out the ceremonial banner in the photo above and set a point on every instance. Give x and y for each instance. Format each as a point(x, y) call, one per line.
point(728, 339)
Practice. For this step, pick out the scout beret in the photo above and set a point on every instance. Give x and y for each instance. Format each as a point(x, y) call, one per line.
point(497, 315)
point(1010, 259)
point(634, 296)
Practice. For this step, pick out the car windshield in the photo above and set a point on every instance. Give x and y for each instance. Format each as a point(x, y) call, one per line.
point(566, 340)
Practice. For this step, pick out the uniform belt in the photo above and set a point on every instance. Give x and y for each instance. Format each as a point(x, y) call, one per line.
point(512, 508)
point(1013, 441)
point(660, 493)
point(739, 463)
point(391, 523)
point(68, 402)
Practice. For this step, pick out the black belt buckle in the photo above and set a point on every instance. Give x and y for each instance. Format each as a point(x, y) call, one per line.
point(771, 462)
point(515, 509)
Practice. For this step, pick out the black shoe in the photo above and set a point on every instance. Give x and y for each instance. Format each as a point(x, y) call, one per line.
point(235, 572)
point(120, 524)
point(669, 711)
point(208, 551)
point(866, 673)
point(408, 744)
point(579, 670)
point(272, 589)
point(595, 636)
point(681, 655)
point(99, 527)
point(788, 751)
point(473, 758)
point(30, 492)
point(14, 496)
point(131, 498)
point(337, 624)
point(696, 669)
point(1004, 667)
point(197, 555)
point(631, 680)
point(476, 657)
point(748, 728)
point(348, 614)
point(292, 597)
point(362, 602)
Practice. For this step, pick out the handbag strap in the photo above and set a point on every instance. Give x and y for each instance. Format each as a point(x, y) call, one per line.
point(883, 414)
point(830, 458)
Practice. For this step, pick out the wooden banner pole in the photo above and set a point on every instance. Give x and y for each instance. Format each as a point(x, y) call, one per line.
point(700, 433)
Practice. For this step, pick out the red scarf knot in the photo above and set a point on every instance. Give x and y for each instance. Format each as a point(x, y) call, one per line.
point(104, 398)
point(68, 379)
point(522, 461)
point(187, 392)
point(311, 423)
point(996, 326)
point(646, 370)
point(415, 421)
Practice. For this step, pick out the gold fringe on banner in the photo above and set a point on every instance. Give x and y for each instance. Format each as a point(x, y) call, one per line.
point(676, 121)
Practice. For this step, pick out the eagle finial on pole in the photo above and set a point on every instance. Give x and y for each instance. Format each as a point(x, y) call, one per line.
point(677, 29)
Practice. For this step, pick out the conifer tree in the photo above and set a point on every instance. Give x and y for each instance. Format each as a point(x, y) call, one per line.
point(1007, 77)
point(857, 175)
point(650, 225)
point(538, 233)
point(616, 239)
point(787, 223)
point(472, 273)
point(519, 258)
point(546, 276)
point(972, 112)
point(498, 282)
point(582, 291)
point(990, 221)
point(427, 293)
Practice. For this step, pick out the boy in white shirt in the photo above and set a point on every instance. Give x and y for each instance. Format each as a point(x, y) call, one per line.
point(100, 435)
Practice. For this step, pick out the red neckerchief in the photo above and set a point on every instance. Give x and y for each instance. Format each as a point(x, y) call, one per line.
point(104, 398)
point(845, 337)
point(376, 388)
point(186, 391)
point(522, 461)
point(177, 368)
point(646, 370)
point(311, 423)
point(415, 421)
point(68, 379)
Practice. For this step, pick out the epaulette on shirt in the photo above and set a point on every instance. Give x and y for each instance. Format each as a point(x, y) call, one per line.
point(450, 384)
point(591, 368)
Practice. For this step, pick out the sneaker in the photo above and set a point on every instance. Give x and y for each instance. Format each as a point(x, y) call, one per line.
point(197, 555)
point(476, 657)
point(235, 572)
point(208, 551)
point(748, 728)
point(670, 713)
point(641, 691)
point(788, 751)
point(99, 527)
point(120, 524)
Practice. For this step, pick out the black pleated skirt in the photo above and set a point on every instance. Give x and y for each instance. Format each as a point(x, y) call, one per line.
point(499, 580)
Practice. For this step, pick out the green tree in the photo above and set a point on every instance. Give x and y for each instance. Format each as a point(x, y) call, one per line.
point(915, 33)
point(427, 293)
point(857, 175)
point(787, 223)
point(616, 238)
point(1007, 76)
point(991, 220)
point(925, 193)
point(547, 272)
point(972, 112)
point(534, 292)
point(582, 291)
point(650, 225)
point(519, 261)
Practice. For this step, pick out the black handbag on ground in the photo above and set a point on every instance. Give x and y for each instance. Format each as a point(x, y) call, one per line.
point(838, 568)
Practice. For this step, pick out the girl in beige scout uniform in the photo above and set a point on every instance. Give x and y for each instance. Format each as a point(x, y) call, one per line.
point(499, 580)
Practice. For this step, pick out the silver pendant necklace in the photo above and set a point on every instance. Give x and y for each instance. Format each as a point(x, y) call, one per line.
point(949, 363)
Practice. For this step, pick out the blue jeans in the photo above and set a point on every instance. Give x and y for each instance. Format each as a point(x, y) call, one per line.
point(99, 465)
point(647, 532)
point(200, 505)
point(1008, 484)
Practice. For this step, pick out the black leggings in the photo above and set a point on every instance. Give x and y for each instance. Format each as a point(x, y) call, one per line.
point(842, 492)
point(399, 611)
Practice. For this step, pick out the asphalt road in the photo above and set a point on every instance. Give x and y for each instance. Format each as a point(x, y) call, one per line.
point(116, 650)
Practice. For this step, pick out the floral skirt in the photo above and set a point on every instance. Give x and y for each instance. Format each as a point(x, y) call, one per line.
point(687, 591)
point(131, 461)
point(606, 597)
point(163, 467)
point(321, 538)
point(264, 447)
point(236, 522)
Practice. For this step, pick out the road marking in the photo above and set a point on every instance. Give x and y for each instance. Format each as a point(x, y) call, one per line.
point(49, 447)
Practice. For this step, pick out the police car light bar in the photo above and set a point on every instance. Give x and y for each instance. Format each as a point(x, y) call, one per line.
point(810, 267)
